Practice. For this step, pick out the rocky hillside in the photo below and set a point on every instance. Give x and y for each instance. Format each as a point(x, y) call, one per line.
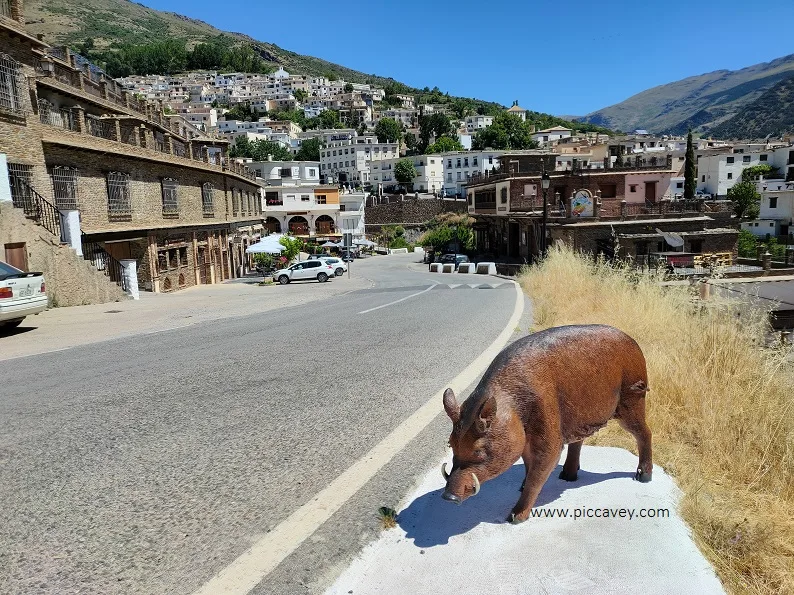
point(772, 115)
point(700, 102)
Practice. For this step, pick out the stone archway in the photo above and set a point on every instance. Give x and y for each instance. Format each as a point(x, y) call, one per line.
point(273, 225)
point(324, 225)
point(298, 226)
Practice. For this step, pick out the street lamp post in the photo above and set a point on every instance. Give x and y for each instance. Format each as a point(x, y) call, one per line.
point(545, 182)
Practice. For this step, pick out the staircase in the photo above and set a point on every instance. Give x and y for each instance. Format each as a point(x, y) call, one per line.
point(38, 209)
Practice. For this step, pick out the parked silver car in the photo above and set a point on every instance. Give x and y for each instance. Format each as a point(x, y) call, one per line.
point(340, 268)
point(21, 294)
point(308, 269)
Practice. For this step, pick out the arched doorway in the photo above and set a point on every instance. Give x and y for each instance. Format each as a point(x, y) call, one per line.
point(324, 225)
point(299, 226)
point(273, 225)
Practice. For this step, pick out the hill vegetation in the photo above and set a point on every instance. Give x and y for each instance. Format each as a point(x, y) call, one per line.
point(698, 102)
point(772, 115)
point(127, 38)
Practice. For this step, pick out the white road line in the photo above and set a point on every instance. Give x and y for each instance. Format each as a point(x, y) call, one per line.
point(407, 297)
point(253, 565)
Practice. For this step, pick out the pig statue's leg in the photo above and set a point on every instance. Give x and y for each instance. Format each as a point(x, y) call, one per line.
point(571, 466)
point(540, 459)
point(632, 419)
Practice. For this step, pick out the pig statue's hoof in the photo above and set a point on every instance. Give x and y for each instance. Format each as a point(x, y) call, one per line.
point(569, 476)
point(641, 476)
point(514, 519)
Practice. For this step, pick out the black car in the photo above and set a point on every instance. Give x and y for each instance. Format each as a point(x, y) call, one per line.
point(455, 259)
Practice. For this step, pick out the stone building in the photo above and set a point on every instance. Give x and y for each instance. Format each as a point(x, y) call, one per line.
point(618, 212)
point(95, 171)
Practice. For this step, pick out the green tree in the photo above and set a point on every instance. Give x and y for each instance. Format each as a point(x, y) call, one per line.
point(348, 87)
point(404, 171)
point(690, 169)
point(292, 247)
point(240, 111)
point(746, 200)
point(411, 143)
point(309, 150)
point(462, 108)
point(750, 174)
point(388, 130)
point(508, 131)
point(434, 125)
point(448, 228)
point(444, 144)
point(747, 244)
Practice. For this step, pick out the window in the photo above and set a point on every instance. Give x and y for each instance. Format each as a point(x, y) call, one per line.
point(449, 162)
point(305, 197)
point(730, 159)
point(235, 202)
point(696, 246)
point(320, 199)
point(449, 176)
point(64, 185)
point(457, 164)
point(10, 84)
point(466, 162)
point(207, 200)
point(679, 184)
point(702, 178)
point(632, 187)
point(490, 159)
point(312, 172)
point(762, 158)
point(607, 190)
point(119, 196)
point(474, 162)
point(746, 159)
point(730, 175)
point(341, 208)
point(459, 174)
point(503, 195)
point(773, 202)
point(771, 224)
point(170, 204)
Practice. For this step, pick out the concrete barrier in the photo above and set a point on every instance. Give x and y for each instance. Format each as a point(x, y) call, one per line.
point(435, 267)
point(448, 268)
point(398, 251)
point(419, 250)
point(466, 267)
point(486, 268)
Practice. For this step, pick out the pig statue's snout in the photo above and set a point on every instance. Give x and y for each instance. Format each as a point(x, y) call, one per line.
point(450, 497)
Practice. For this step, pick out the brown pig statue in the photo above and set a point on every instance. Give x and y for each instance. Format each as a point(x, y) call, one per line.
point(548, 389)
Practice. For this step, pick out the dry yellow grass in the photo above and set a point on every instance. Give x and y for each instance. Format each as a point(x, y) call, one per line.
point(721, 409)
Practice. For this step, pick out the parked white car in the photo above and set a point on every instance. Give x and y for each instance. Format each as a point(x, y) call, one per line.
point(308, 269)
point(340, 266)
point(21, 294)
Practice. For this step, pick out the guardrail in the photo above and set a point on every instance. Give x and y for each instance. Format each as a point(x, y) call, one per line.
point(105, 263)
point(35, 206)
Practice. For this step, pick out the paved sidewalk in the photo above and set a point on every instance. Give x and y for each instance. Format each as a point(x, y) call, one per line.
point(439, 548)
point(62, 328)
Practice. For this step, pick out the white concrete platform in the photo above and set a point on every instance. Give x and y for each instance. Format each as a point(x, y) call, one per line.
point(440, 548)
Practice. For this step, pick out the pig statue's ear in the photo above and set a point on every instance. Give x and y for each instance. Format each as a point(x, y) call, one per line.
point(486, 415)
point(451, 406)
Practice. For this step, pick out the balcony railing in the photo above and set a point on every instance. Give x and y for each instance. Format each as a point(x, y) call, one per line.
point(101, 128)
point(5, 8)
point(104, 262)
point(62, 118)
point(178, 148)
point(35, 206)
point(299, 229)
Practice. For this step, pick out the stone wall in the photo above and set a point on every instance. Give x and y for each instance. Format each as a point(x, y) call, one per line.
point(409, 212)
point(71, 280)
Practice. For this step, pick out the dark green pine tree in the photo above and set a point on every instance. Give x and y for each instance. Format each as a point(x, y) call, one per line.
point(690, 172)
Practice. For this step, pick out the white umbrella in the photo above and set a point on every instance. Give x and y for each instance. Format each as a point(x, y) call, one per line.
point(269, 244)
point(329, 245)
point(363, 243)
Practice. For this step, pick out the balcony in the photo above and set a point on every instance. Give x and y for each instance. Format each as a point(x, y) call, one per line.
point(5, 8)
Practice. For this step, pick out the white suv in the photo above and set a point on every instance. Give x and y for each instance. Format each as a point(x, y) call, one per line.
point(340, 267)
point(308, 269)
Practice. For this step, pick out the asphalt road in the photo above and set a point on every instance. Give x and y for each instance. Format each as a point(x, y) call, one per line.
point(147, 464)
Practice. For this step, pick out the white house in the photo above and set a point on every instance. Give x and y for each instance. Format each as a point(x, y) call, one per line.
point(429, 172)
point(718, 172)
point(352, 213)
point(287, 173)
point(461, 166)
point(477, 122)
point(347, 160)
point(776, 216)
point(551, 135)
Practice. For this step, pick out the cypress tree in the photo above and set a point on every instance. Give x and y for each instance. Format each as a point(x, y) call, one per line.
point(690, 175)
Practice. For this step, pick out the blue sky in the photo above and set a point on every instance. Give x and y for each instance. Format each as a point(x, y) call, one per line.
point(565, 58)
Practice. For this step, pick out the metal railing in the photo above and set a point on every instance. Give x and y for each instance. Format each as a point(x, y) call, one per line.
point(60, 117)
point(104, 262)
point(35, 206)
point(101, 128)
point(92, 87)
point(178, 147)
point(5, 8)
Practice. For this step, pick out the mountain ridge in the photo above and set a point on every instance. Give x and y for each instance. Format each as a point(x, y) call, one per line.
point(699, 101)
